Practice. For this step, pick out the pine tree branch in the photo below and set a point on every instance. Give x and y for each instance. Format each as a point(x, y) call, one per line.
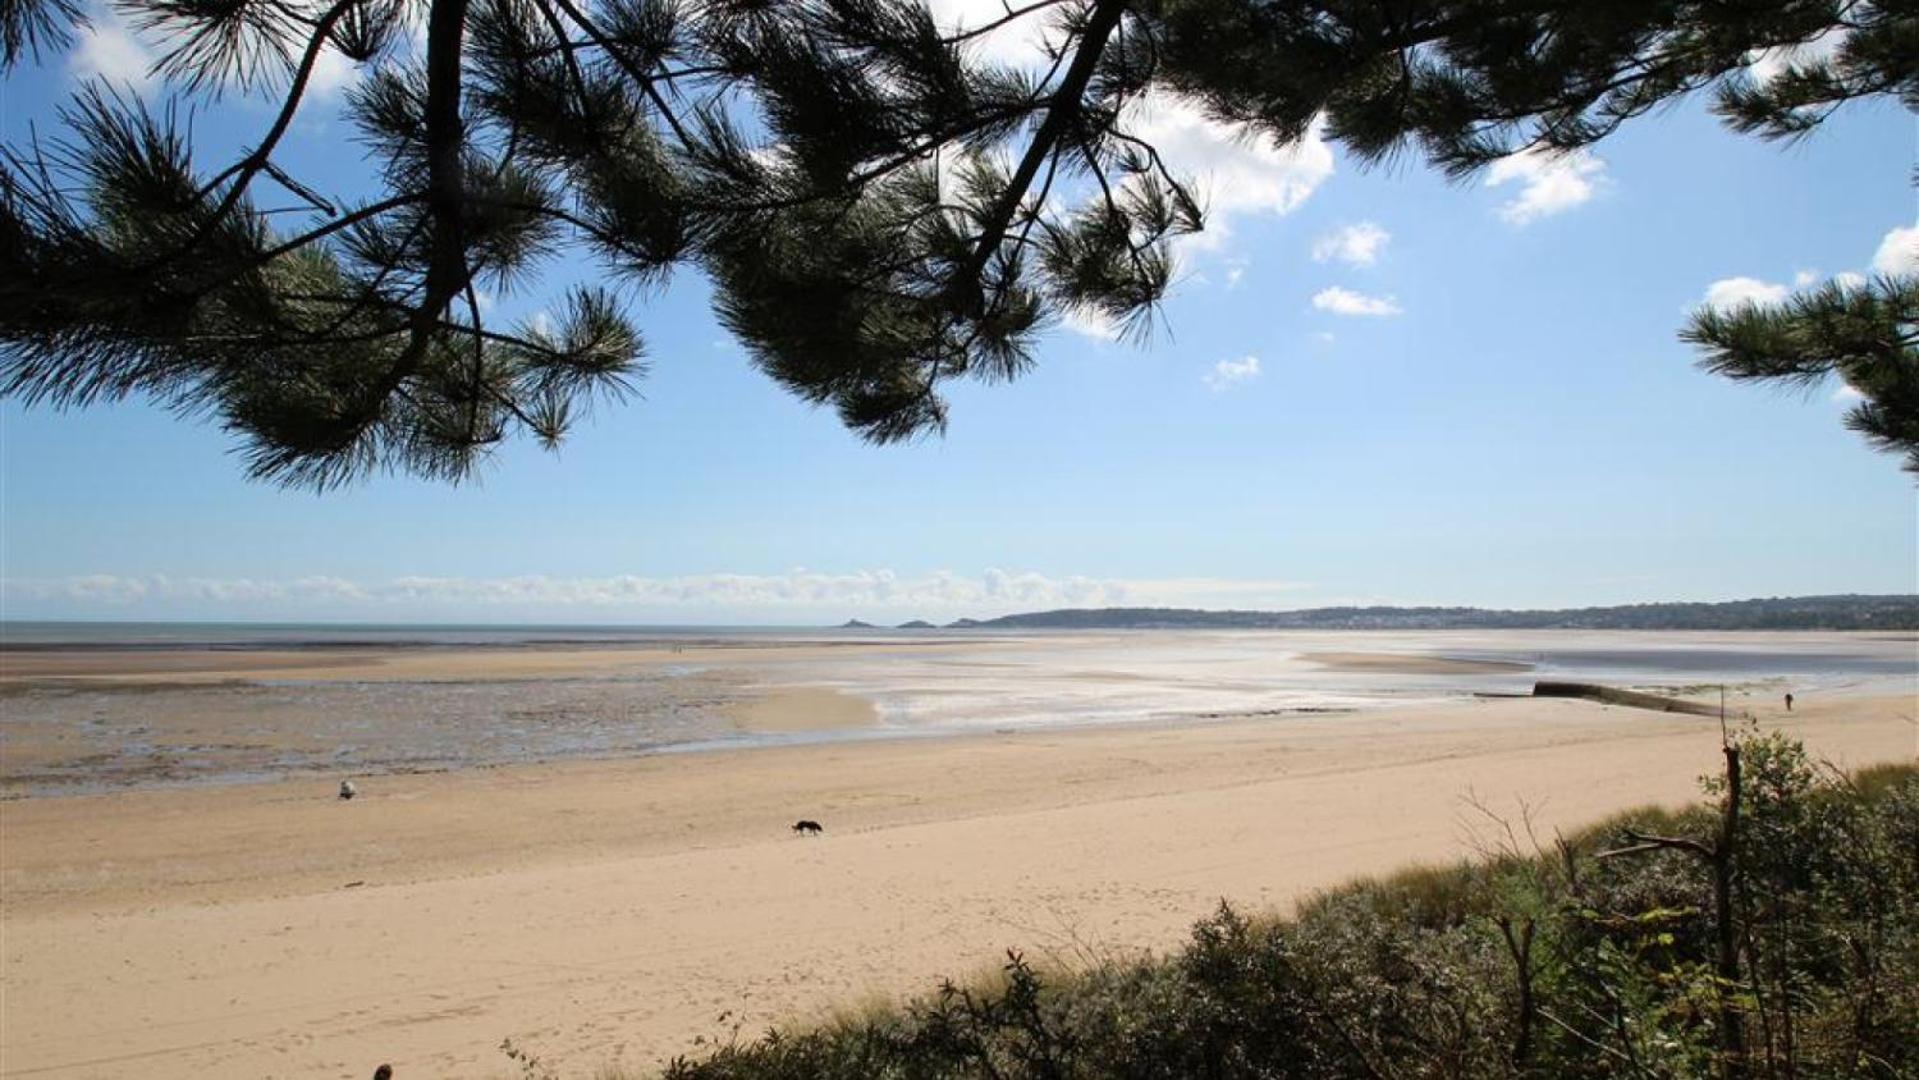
point(645, 79)
point(445, 139)
point(1007, 19)
point(1180, 190)
point(335, 225)
point(565, 49)
point(242, 172)
point(447, 271)
point(1066, 105)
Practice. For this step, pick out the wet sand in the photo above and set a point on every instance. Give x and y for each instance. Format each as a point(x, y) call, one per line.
point(610, 912)
point(805, 708)
point(411, 664)
point(1408, 664)
point(80, 720)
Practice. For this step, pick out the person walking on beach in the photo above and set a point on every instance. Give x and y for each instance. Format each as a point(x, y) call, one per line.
point(1788, 702)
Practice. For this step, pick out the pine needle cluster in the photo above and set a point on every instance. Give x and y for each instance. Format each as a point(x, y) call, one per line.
point(882, 206)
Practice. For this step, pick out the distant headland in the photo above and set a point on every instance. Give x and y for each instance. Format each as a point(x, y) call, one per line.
point(1842, 612)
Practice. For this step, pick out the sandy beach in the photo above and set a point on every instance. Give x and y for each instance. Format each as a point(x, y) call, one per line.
point(604, 913)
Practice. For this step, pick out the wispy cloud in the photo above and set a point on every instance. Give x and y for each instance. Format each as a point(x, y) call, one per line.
point(1355, 245)
point(1726, 294)
point(1020, 42)
point(1238, 171)
point(1230, 373)
point(111, 50)
point(116, 590)
point(1347, 302)
point(1765, 65)
point(333, 73)
point(1549, 183)
point(107, 49)
point(1898, 253)
point(796, 595)
point(1089, 322)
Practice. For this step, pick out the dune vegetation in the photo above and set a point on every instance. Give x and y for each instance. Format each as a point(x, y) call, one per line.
point(1769, 932)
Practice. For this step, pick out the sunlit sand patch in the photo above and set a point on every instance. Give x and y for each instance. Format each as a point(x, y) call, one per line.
point(1408, 664)
point(804, 708)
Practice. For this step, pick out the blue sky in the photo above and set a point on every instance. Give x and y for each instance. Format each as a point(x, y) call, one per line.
point(1371, 386)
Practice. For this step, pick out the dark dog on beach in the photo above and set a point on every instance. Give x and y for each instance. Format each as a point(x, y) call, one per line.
point(808, 827)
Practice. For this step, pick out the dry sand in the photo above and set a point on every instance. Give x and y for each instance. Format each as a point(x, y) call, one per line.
point(610, 912)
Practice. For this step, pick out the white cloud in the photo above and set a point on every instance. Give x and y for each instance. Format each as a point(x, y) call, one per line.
point(1898, 253)
point(332, 73)
point(1227, 373)
point(1021, 42)
point(797, 594)
point(1236, 171)
point(1355, 245)
point(1729, 293)
point(117, 590)
point(1550, 183)
point(110, 49)
point(1846, 395)
point(1765, 65)
point(107, 49)
point(105, 589)
point(1235, 271)
point(1347, 302)
point(1089, 322)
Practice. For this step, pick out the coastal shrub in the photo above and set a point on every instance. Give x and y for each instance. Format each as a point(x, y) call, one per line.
point(1606, 954)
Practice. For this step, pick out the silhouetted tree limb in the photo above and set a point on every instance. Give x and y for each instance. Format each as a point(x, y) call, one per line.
point(880, 209)
point(1865, 334)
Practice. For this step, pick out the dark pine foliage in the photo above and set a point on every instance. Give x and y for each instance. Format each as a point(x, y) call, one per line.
point(1866, 334)
point(882, 208)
